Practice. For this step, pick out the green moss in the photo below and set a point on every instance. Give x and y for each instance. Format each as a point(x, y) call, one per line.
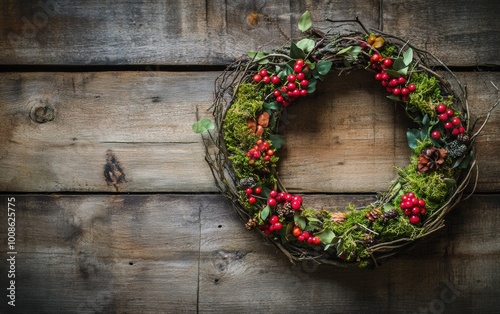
point(427, 95)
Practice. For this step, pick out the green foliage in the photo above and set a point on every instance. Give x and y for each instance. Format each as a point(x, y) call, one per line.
point(203, 126)
point(305, 22)
point(427, 96)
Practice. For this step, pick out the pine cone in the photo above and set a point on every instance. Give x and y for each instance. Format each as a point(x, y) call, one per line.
point(390, 214)
point(374, 214)
point(283, 210)
point(463, 137)
point(338, 217)
point(455, 149)
point(252, 223)
point(247, 182)
point(368, 239)
point(431, 159)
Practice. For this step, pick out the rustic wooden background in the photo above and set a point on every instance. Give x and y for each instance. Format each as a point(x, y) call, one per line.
point(92, 85)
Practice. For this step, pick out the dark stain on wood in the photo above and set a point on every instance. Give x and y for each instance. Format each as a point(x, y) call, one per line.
point(42, 112)
point(113, 172)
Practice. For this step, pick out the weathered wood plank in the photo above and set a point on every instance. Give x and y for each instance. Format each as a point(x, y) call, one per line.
point(89, 254)
point(215, 32)
point(158, 253)
point(144, 120)
point(452, 28)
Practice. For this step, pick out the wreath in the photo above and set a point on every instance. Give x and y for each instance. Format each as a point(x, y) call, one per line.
point(243, 145)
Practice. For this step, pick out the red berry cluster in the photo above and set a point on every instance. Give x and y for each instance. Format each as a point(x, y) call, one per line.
point(251, 194)
point(305, 236)
point(395, 86)
point(413, 207)
point(274, 198)
point(296, 85)
point(451, 122)
point(261, 150)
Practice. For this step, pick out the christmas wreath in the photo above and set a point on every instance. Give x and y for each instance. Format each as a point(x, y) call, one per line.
point(243, 145)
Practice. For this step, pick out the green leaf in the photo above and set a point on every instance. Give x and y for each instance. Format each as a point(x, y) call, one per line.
point(408, 56)
point(466, 161)
point(265, 212)
point(350, 51)
point(203, 126)
point(313, 219)
point(412, 139)
point(345, 50)
point(305, 22)
point(326, 236)
point(392, 73)
point(306, 44)
point(394, 98)
point(268, 106)
point(260, 56)
point(277, 140)
point(324, 67)
point(450, 182)
point(296, 52)
point(426, 120)
point(388, 207)
point(300, 220)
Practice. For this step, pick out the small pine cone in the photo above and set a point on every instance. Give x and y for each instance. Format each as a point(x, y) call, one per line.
point(455, 149)
point(252, 223)
point(247, 182)
point(463, 137)
point(390, 214)
point(338, 217)
point(368, 240)
point(374, 214)
point(431, 158)
point(283, 210)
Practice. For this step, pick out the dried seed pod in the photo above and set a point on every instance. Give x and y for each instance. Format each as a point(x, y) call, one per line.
point(374, 214)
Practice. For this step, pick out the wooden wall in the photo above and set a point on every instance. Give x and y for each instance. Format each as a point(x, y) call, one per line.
point(92, 85)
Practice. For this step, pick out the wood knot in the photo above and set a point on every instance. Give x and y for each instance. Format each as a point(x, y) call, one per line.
point(42, 113)
point(253, 18)
point(113, 172)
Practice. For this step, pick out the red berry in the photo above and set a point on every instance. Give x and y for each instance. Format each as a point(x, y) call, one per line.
point(404, 98)
point(461, 129)
point(385, 76)
point(384, 83)
point(301, 76)
point(450, 112)
point(405, 91)
point(267, 158)
point(258, 190)
point(300, 238)
point(448, 126)
point(306, 234)
point(455, 121)
point(297, 68)
point(285, 103)
point(316, 240)
point(441, 108)
point(252, 200)
point(310, 240)
point(288, 197)
point(274, 219)
point(257, 78)
point(412, 87)
point(248, 191)
point(455, 132)
point(414, 219)
point(276, 93)
point(304, 83)
point(401, 80)
point(443, 117)
point(378, 76)
point(436, 135)
point(415, 210)
point(273, 193)
point(421, 203)
point(296, 205)
point(407, 211)
point(410, 195)
point(278, 226)
point(291, 86)
point(402, 205)
point(266, 79)
point(396, 91)
point(375, 58)
point(296, 93)
point(297, 198)
point(291, 78)
point(279, 99)
point(387, 62)
point(303, 92)
point(263, 72)
point(297, 231)
point(393, 82)
point(275, 80)
point(271, 202)
point(300, 62)
point(423, 211)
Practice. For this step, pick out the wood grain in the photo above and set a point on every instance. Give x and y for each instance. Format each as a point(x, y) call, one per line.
point(190, 253)
point(58, 129)
point(191, 32)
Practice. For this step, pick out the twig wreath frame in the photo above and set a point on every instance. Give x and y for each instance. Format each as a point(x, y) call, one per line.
point(242, 145)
